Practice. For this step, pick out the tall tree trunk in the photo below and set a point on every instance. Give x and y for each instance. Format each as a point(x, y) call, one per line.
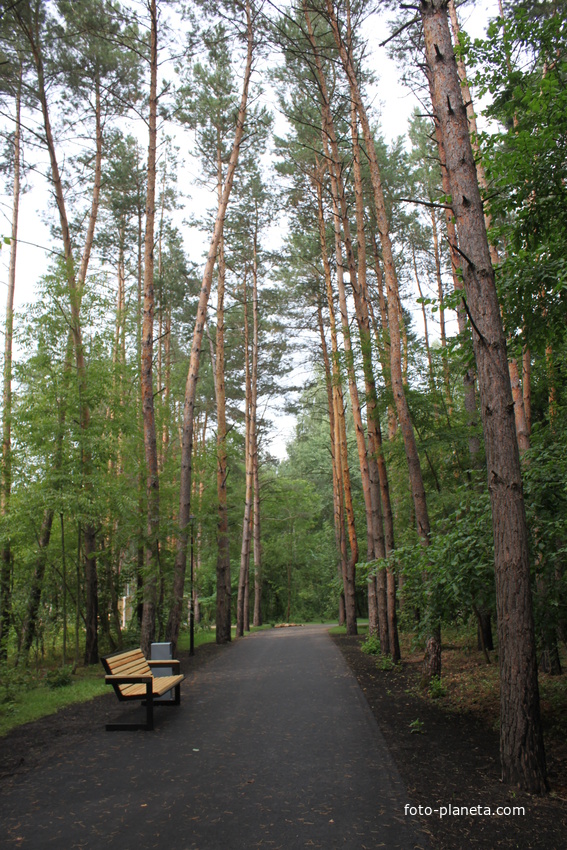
point(377, 584)
point(384, 342)
point(246, 527)
point(75, 282)
point(343, 470)
point(224, 588)
point(527, 386)
point(224, 594)
point(341, 476)
point(257, 619)
point(152, 555)
point(468, 376)
point(338, 501)
point(193, 374)
point(36, 586)
point(521, 738)
point(522, 430)
point(412, 456)
point(432, 388)
point(441, 297)
point(6, 484)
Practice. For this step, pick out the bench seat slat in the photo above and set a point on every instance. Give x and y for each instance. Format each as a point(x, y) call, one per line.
point(128, 664)
point(159, 686)
point(130, 675)
point(125, 657)
point(138, 669)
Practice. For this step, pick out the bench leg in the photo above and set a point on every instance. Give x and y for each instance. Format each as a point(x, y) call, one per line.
point(147, 726)
point(149, 708)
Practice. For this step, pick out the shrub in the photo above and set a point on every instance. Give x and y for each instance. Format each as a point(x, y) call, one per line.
point(59, 678)
point(371, 645)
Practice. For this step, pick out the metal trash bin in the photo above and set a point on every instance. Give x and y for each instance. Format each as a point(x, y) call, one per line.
point(162, 652)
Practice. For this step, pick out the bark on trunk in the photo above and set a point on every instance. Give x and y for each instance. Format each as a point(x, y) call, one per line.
point(376, 584)
point(440, 294)
point(152, 557)
point(223, 616)
point(522, 429)
point(224, 587)
point(469, 379)
point(36, 587)
point(193, 374)
point(416, 479)
point(521, 739)
point(343, 471)
point(246, 522)
point(257, 620)
point(338, 502)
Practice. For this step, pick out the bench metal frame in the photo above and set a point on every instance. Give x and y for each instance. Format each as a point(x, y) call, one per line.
point(151, 691)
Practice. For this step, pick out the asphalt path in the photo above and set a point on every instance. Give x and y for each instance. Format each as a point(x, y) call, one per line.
point(273, 747)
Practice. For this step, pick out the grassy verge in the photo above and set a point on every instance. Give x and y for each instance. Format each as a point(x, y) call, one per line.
point(362, 627)
point(30, 694)
point(30, 697)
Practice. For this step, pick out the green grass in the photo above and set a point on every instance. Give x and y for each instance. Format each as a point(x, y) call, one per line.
point(28, 697)
point(25, 703)
point(341, 630)
point(201, 636)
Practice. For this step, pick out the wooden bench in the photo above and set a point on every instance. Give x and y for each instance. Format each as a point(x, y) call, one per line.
point(130, 674)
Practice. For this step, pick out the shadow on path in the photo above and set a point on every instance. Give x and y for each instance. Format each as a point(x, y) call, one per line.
point(273, 746)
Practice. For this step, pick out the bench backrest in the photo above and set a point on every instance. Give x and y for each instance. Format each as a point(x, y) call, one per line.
point(130, 663)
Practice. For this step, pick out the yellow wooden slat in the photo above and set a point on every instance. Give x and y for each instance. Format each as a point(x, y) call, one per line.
point(120, 661)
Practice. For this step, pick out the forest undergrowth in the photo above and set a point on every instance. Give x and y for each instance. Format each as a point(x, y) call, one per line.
point(445, 743)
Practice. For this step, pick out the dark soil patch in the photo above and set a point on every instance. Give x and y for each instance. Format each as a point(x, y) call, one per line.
point(452, 758)
point(33, 745)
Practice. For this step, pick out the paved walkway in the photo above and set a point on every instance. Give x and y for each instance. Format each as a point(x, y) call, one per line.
point(272, 747)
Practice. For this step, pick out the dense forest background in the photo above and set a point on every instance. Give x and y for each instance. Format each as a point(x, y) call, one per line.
point(137, 478)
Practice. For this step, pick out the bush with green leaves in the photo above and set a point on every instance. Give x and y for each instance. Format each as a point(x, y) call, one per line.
point(371, 645)
point(454, 575)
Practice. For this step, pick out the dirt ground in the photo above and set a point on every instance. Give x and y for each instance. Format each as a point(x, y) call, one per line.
point(452, 758)
point(444, 757)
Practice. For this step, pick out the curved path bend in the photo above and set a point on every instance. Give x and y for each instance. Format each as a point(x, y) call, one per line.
point(273, 747)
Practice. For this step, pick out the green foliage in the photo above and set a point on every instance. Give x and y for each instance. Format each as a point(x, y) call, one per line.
point(34, 701)
point(523, 65)
point(455, 573)
point(371, 645)
point(436, 688)
point(62, 677)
